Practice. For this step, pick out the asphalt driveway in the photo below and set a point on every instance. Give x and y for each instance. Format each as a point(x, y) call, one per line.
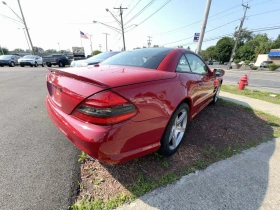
point(38, 166)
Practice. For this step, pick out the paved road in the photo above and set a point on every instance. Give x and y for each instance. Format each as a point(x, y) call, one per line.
point(260, 80)
point(38, 166)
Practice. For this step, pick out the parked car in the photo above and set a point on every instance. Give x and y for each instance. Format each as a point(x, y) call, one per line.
point(94, 59)
point(57, 59)
point(209, 62)
point(265, 63)
point(30, 60)
point(132, 104)
point(9, 60)
point(251, 64)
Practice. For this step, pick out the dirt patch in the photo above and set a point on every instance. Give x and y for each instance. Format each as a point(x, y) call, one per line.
point(216, 133)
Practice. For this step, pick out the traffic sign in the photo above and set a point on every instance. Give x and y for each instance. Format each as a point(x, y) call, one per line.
point(196, 37)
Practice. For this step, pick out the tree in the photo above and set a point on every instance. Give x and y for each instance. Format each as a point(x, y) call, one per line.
point(38, 49)
point(136, 48)
point(276, 43)
point(96, 52)
point(211, 53)
point(180, 46)
point(245, 35)
point(64, 51)
point(50, 51)
point(224, 48)
point(156, 45)
point(18, 50)
point(4, 50)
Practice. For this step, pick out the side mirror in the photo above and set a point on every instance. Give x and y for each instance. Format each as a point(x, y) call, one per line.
point(219, 72)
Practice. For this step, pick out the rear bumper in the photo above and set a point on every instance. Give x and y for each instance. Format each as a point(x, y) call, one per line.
point(26, 63)
point(110, 144)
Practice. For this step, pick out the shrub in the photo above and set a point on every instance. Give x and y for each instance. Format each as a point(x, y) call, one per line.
point(254, 67)
point(238, 66)
point(273, 67)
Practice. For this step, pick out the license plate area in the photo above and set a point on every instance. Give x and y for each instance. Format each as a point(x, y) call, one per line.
point(55, 93)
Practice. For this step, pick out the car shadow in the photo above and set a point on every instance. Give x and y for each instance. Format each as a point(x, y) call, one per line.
point(218, 132)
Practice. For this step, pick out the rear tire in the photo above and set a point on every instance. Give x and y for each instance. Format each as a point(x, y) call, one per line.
point(217, 94)
point(49, 65)
point(60, 64)
point(175, 131)
point(31, 65)
point(36, 64)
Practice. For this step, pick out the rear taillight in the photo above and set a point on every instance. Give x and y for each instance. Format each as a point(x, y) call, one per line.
point(105, 108)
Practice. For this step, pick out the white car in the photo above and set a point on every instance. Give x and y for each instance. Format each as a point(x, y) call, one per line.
point(30, 60)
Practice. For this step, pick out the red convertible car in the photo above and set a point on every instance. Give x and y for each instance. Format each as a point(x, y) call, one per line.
point(132, 104)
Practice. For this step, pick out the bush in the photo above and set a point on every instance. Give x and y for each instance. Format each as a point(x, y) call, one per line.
point(254, 67)
point(273, 67)
point(238, 66)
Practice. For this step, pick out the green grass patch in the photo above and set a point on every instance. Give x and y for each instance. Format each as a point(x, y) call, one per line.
point(257, 94)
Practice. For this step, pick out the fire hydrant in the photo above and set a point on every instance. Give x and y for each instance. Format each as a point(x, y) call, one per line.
point(243, 82)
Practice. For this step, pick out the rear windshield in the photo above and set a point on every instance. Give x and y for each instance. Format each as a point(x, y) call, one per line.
point(102, 56)
point(145, 58)
point(5, 56)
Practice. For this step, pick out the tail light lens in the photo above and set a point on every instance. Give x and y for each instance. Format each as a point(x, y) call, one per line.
point(105, 108)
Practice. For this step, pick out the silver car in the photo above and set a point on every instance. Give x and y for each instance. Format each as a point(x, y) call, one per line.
point(30, 60)
point(9, 60)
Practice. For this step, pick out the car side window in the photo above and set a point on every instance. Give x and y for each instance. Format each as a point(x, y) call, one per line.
point(196, 64)
point(183, 65)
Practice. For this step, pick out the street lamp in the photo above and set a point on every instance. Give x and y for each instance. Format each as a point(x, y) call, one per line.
point(23, 21)
point(111, 27)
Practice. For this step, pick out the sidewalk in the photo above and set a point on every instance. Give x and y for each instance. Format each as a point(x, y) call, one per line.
point(250, 180)
point(270, 108)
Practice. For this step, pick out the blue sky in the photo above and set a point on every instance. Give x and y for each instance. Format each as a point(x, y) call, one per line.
point(52, 22)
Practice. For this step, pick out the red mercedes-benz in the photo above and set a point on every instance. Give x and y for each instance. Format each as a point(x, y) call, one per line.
point(132, 104)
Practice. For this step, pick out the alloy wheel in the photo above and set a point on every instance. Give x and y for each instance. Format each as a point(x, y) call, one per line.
point(178, 129)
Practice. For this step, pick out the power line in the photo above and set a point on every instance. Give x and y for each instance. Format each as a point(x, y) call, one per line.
point(196, 22)
point(141, 11)
point(205, 32)
point(263, 13)
point(11, 19)
point(132, 9)
point(155, 12)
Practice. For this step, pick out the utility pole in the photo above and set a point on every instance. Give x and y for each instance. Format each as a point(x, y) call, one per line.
point(106, 34)
point(149, 41)
point(26, 28)
point(238, 35)
point(26, 39)
point(204, 23)
point(100, 47)
point(121, 12)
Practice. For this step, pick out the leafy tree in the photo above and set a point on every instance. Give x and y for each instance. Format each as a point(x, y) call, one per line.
point(50, 51)
point(187, 48)
point(211, 53)
point(224, 48)
point(96, 52)
point(136, 48)
point(203, 55)
point(4, 50)
point(245, 35)
point(18, 50)
point(264, 44)
point(180, 47)
point(64, 51)
point(38, 49)
point(276, 43)
point(156, 46)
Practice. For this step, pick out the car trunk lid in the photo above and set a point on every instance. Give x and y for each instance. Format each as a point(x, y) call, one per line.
point(70, 86)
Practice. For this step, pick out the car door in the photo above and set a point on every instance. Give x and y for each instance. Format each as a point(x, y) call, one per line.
point(189, 81)
point(204, 77)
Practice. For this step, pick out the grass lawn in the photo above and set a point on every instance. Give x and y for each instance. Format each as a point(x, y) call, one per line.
point(217, 133)
point(257, 94)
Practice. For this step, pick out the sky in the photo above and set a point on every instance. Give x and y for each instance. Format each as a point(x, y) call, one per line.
point(60, 21)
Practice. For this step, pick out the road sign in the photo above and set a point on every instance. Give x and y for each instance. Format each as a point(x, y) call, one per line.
point(196, 37)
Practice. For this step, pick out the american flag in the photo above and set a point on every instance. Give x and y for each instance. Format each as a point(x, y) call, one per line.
point(83, 35)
